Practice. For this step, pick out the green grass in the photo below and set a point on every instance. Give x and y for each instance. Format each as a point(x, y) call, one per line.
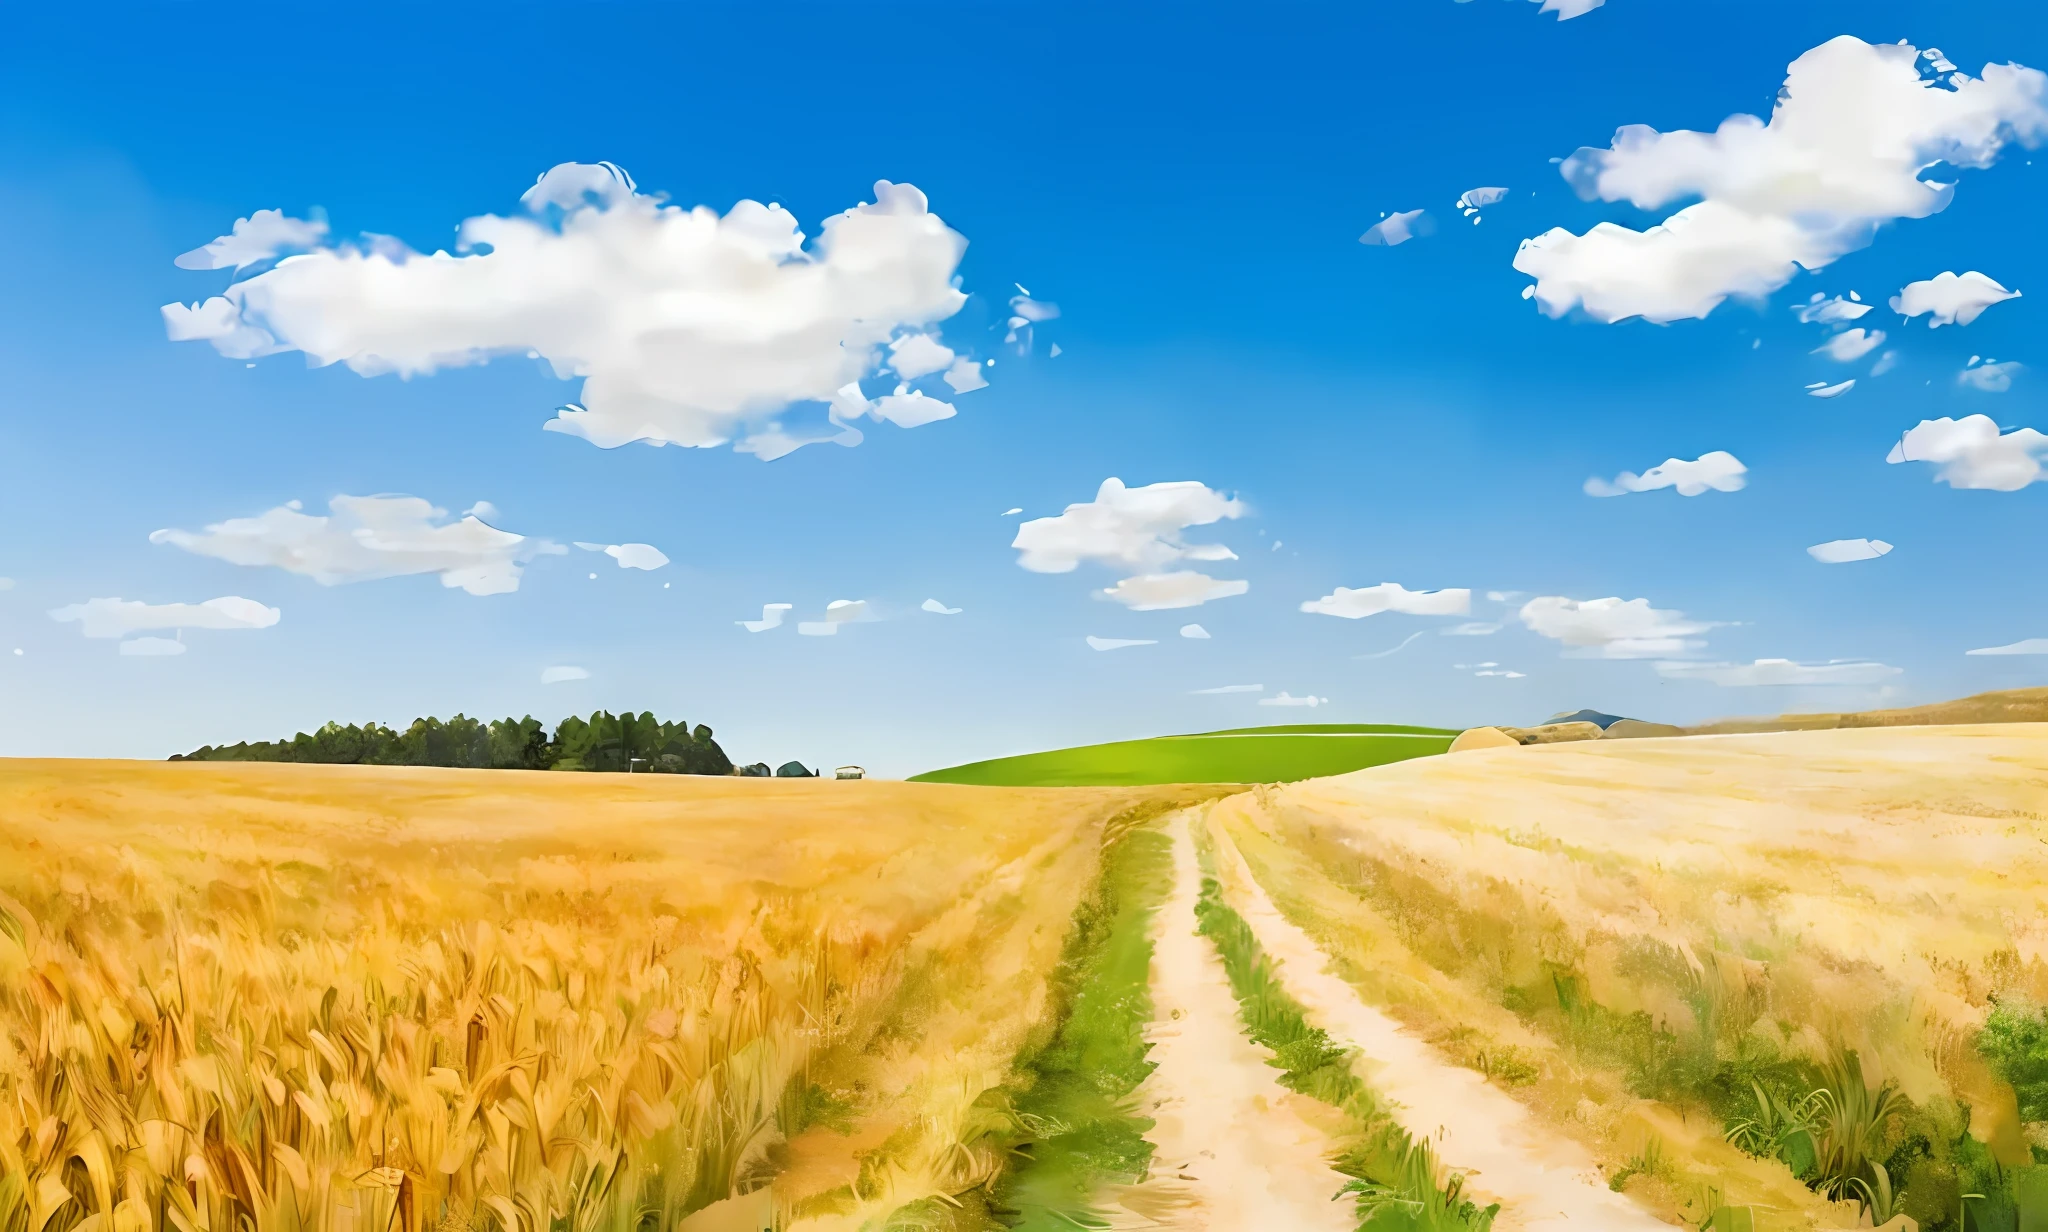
point(1396, 1181)
point(1075, 1103)
point(1242, 755)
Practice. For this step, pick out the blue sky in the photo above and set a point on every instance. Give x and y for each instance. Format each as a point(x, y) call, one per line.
point(1190, 191)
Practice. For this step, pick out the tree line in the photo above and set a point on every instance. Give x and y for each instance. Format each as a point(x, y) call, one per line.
point(603, 742)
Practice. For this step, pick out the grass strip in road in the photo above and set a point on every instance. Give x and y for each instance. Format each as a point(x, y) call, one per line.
point(1076, 1109)
point(1395, 1176)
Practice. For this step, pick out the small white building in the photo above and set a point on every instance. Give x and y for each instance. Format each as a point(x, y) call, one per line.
point(849, 772)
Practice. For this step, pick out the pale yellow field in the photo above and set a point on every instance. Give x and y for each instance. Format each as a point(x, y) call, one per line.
point(350, 998)
point(1803, 892)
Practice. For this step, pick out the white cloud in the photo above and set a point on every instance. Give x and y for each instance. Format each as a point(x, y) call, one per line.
point(1971, 453)
point(1153, 592)
point(1819, 311)
point(1949, 298)
point(262, 236)
point(818, 628)
point(1853, 129)
point(1472, 628)
point(1194, 631)
point(1505, 675)
point(933, 605)
point(629, 555)
point(1398, 228)
point(1717, 471)
point(685, 327)
point(1287, 699)
point(1118, 643)
point(557, 675)
point(1851, 345)
point(1843, 551)
point(916, 355)
point(1390, 597)
point(1127, 526)
point(839, 611)
point(911, 408)
point(1885, 363)
point(1228, 688)
point(1472, 200)
point(1767, 672)
point(2030, 646)
point(120, 617)
point(771, 618)
point(151, 647)
point(1568, 9)
point(1013, 511)
point(1821, 389)
point(369, 537)
point(1990, 378)
point(1611, 628)
point(964, 377)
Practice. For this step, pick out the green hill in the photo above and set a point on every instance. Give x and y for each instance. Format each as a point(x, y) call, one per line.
point(1240, 755)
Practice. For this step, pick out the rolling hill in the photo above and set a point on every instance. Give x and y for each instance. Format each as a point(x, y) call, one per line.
point(1281, 754)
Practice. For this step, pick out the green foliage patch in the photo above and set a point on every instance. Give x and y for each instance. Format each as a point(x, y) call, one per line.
point(1245, 755)
point(603, 742)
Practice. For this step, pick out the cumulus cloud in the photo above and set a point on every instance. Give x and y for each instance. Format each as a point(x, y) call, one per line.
point(557, 675)
point(1287, 699)
point(1395, 229)
point(1853, 129)
point(2029, 646)
point(771, 618)
point(1831, 310)
point(1152, 592)
point(1971, 453)
point(1949, 298)
point(1118, 643)
point(964, 377)
point(1390, 597)
point(367, 537)
point(1611, 628)
point(1843, 551)
point(1991, 378)
point(629, 555)
point(120, 617)
point(1851, 345)
point(1717, 471)
point(1780, 672)
point(1194, 631)
point(919, 354)
point(1139, 527)
point(261, 237)
point(686, 327)
point(152, 647)
point(1228, 688)
point(933, 605)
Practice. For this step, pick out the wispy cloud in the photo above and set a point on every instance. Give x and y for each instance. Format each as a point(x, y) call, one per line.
point(1154, 592)
point(1769, 672)
point(1229, 688)
point(561, 674)
point(1844, 551)
point(121, 617)
point(2028, 646)
point(1612, 628)
point(1119, 643)
point(364, 538)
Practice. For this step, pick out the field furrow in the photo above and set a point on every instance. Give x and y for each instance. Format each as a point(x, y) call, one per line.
point(1541, 1180)
point(1235, 1151)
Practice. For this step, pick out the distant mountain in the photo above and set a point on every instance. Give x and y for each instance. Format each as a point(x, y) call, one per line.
point(1585, 716)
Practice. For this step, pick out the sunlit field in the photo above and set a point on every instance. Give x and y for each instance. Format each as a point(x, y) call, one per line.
point(310, 997)
point(1779, 981)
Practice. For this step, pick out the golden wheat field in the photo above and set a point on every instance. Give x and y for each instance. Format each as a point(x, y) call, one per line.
point(1780, 981)
point(331, 998)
